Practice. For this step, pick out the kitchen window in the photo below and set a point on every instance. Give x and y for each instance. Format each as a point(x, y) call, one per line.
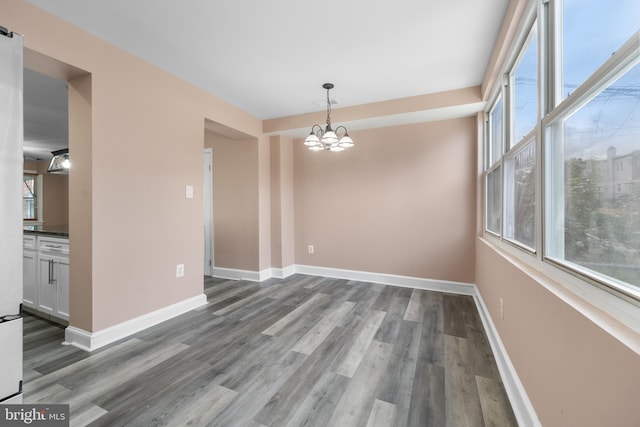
point(30, 197)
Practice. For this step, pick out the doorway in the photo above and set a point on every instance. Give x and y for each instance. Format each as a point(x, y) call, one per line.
point(208, 211)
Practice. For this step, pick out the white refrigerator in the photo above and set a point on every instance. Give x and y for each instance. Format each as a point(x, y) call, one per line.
point(11, 168)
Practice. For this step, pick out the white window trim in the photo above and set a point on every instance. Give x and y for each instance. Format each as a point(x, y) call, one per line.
point(611, 310)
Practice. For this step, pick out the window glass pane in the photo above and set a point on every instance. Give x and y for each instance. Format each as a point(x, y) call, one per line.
point(598, 166)
point(519, 197)
point(495, 119)
point(592, 31)
point(494, 201)
point(29, 197)
point(525, 93)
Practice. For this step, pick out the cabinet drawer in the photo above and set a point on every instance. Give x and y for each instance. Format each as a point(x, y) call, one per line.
point(29, 242)
point(53, 246)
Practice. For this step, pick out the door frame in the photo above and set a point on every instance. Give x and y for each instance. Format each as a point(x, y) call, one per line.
point(207, 197)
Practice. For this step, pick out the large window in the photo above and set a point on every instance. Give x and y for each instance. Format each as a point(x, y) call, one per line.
point(596, 190)
point(589, 133)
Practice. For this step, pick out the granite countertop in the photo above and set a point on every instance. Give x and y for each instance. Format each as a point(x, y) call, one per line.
point(48, 230)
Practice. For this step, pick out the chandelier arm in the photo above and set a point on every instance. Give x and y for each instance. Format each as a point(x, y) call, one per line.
point(344, 128)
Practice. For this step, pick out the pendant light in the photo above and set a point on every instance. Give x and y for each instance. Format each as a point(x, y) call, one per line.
point(328, 139)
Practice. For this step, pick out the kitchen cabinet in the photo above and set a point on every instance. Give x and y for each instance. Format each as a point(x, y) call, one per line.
point(46, 275)
point(29, 272)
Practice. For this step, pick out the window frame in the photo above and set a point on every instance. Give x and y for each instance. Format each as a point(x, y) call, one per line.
point(39, 196)
point(551, 105)
point(627, 57)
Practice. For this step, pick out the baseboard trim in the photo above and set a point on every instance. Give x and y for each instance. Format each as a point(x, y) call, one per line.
point(522, 407)
point(237, 274)
point(390, 279)
point(90, 341)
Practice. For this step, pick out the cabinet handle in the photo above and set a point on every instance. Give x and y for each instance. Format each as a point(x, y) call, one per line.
point(50, 268)
point(53, 272)
point(54, 246)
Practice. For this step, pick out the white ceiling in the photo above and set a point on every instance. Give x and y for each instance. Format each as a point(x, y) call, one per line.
point(270, 58)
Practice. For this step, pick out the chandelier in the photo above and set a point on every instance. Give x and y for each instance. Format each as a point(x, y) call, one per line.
point(328, 139)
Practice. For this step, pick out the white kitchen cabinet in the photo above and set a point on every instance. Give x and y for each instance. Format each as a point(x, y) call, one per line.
point(51, 272)
point(30, 272)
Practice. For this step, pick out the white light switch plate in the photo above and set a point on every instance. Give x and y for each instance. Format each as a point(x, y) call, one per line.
point(189, 191)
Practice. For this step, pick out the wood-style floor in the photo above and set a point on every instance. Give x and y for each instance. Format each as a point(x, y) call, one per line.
point(303, 351)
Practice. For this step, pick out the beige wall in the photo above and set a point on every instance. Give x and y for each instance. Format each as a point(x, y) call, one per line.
point(235, 201)
point(402, 201)
point(145, 146)
point(282, 208)
point(574, 372)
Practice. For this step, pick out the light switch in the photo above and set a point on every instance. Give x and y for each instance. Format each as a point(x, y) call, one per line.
point(189, 191)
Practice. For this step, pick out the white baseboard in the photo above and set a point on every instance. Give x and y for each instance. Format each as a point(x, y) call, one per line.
point(389, 279)
point(237, 274)
point(282, 273)
point(522, 407)
point(90, 341)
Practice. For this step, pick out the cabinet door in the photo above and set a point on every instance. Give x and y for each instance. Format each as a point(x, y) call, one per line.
point(61, 273)
point(46, 285)
point(30, 277)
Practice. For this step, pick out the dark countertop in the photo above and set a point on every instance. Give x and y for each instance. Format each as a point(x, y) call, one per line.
point(48, 230)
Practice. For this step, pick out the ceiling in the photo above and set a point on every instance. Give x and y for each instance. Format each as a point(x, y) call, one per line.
point(270, 58)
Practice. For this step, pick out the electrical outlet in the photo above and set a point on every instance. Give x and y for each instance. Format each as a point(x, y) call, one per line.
point(311, 249)
point(189, 191)
point(501, 309)
point(180, 270)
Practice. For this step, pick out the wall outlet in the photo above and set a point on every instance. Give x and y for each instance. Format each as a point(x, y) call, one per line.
point(501, 309)
point(189, 191)
point(180, 270)
point(311, 249)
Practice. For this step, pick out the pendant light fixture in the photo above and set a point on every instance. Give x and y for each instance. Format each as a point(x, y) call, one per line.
point(328, 139)
point(60, 161)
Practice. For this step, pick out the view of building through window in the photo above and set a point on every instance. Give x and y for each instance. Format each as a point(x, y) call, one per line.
point(590, 139)
point(602, 181)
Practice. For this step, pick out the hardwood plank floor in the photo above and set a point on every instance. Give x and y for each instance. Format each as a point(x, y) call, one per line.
point(302, 351)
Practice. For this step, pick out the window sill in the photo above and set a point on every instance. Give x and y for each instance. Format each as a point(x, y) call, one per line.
point(617, 316)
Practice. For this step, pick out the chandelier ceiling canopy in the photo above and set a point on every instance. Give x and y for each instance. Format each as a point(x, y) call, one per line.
point(328, 138)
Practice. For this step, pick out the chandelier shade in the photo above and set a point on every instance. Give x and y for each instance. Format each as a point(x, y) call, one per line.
point(328, 139)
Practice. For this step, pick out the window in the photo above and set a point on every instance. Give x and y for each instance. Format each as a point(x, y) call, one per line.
point(496, 133)
point(589, 133)
point(592, 31)
point(493, 185)
point(525, 90)
point(29, 197)
point(494, 201)
point(600, 230)
point(520, 197)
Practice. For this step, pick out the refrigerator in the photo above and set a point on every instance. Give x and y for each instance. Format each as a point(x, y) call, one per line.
point(11, 169)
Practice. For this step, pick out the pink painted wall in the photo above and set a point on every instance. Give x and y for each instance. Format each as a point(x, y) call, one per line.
point(402, 201)
point(235, 202)
point(574, 372)
point(145, 145)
